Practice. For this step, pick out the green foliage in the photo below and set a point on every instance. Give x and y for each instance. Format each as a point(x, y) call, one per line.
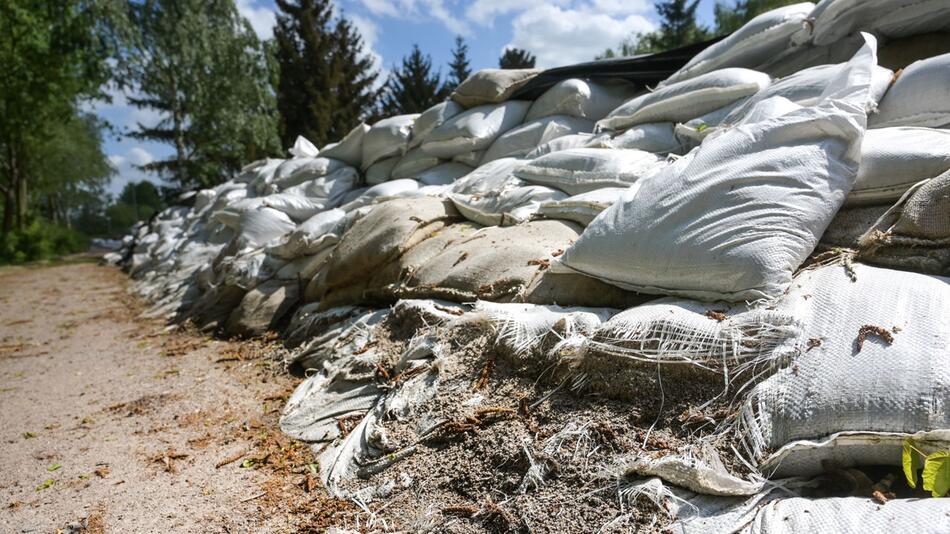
point(459, 67)
point(412, 87)
point(326, 80)
point(202, 66)
point(40, 240)
point(936, 468)
point(630, 46)
point(678, 27)
point(731, 17)
point(516, 58)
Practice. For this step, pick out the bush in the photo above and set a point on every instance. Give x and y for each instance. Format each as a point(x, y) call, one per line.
point(41, 240)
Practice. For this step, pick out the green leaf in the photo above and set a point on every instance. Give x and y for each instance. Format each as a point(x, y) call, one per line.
point(54, 467)
point(936, 475)
point(913, 461)
point(48, 483)
point(702, 127)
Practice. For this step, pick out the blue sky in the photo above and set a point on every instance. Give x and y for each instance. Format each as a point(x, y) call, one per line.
point(558, 32)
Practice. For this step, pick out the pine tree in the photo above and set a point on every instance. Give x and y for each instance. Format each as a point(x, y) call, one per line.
point(412, 87)
point(730, 18)
point(459, 68)
point(516, 58)
point(326, 79)
point(202, 66)
point(678, 27)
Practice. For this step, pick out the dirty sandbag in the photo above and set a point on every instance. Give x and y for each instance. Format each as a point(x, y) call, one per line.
point(262, 225)
point(523, 139)
point(832, 20)
point(756, 41)
point(387, 138)
point(525, 330)
point(380, 237)
point(682, 101)
point(381, 171)
point(656, 137)
point(474, 129)
point(919, 97)
point(349, 149)
point(558, 144)
point(582, 208)
point(581, 98)
point(262, 308)
point(515, 203)
point(665, 239)
point(491, 86)
point(579, 170)
point(412, 163)
point(431, 119)
point(894, 159)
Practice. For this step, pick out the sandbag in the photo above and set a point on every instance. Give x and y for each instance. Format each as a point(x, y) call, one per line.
point(387, 138)
point(312, 236)
point(431, 119)
point(381, 171)
point(894, 159)
point(581, 98)
point(443, 174)
point(297, 207)
point(656, 137)
point(350, 149)
point(564, 142)
point(749, 46)
point(303, 148)
point(832, 20)
point(298, 170)
point(388, 189)
point(735, 218)
point(680, 102)
point(522, 139)
point(412, 163)
point(491, 86)
point(472, 159)
point(262, 225)
point(579, 170)
point(919, 97)
point(262, 308)
point(513, 204)
point(475, 129)
point(582, 208)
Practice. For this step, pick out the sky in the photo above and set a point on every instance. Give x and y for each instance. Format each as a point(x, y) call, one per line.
point(557, 32)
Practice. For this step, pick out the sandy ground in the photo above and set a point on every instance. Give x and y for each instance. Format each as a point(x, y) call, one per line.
point(111, 423)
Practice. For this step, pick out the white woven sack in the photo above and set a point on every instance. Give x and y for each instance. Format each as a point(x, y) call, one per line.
point(311, 236)
point(680, 102)
point(331, 187)
point(443, 174)
point(431, 119)
point(303, 148)
point(889, 383)
point(919, 97)
point(388, 189)
point(833, 20)
point(297, 207)
point(472, 159)
point(492, 176)
point(581, 98)
point(414, 162)
point(520, 140)
point(387, 138)
point(491, 86)
point(381, 171)
point(894, 159)
point(735, 218)
point(349, 149)
point(579, 170)
point(749, 46)
point(514, 204)
point(582, 208)
point(305, 169)
point(475, 129)
point(656, 137)
point(260, 226)
point(850, 515)
point(561, 143)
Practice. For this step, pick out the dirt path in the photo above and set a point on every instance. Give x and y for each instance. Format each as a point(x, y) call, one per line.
point(110, 423)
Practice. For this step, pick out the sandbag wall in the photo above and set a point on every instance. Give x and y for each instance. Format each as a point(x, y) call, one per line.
point(780, 197)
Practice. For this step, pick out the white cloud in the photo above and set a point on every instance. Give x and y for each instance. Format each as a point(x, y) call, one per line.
point(381, 7)
point(418, 10)
point(262, 19)
point(139, 156)
point(559, 36)
point(484, 11)
point(126, 169)
point(370, 32)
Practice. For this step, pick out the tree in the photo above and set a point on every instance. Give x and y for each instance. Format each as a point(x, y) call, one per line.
point(326, 81)
point(516, 58)
point(412, 87)
point(459, 67)
point(731, 17)
point(678, 27)
point(628, 47)
point(200, 64)
point(53, 55)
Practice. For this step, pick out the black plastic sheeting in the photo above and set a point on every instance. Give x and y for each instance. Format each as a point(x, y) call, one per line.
point(644, 71)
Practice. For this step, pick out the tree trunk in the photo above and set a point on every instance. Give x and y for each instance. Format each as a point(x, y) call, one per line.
point(8, 208)
point(22, 201)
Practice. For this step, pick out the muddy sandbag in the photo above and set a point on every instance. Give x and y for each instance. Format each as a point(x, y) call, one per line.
point(212, 309)
point(682, 101)
point(262, 308)
point(582, 208)
point(752, 44)
point(919, 97)
point(431, 119)
point(833, 20)
point(580, 170)
point(349, 149)
point(522, 139)
point(581, 98)
point(507, 264)
point(475, 129)
point(491, 86)
point(380, 237)
point(387, 138)
point(735, 218)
